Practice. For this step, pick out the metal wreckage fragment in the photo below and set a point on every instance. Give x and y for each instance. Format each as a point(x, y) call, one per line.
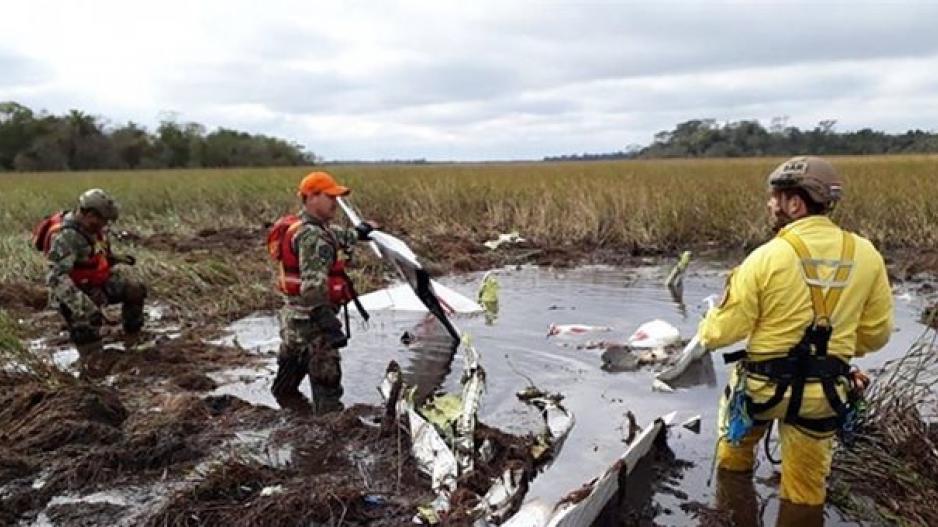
point(442, 433)
point(442, 443)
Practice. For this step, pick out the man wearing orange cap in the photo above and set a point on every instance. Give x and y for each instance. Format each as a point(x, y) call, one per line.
point(310, 254)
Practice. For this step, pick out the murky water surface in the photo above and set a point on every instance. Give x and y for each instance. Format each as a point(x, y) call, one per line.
point(515, 347)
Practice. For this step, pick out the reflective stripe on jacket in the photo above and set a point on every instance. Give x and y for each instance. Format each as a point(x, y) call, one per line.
point(767, 300)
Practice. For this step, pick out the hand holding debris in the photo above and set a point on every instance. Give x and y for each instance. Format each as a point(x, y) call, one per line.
point(364, 230)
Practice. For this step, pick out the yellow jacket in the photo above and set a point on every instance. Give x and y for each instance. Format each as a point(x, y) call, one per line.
point(767, 300)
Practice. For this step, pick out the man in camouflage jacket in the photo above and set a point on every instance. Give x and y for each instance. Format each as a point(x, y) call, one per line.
point(81, 277)
point(310, 331)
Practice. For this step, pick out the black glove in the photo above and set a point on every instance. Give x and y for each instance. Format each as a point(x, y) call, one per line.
point(364, 229)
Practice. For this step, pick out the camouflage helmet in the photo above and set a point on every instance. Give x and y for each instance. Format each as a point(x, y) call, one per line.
point(814, 175)
point(100, 202)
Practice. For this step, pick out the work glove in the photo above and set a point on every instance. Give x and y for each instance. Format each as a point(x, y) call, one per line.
point(125, 259)
point(859, 381)
point(364, 229)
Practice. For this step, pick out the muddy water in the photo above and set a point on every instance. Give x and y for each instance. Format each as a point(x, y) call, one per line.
point(515, 347)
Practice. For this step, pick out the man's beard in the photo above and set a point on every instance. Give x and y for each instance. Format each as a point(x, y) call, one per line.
point(779, 220)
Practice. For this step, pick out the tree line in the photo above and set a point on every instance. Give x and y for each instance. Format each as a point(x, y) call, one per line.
point(749, 138)
point(38, 141)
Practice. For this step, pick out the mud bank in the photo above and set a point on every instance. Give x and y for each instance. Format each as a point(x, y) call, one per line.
point(81, 438)
point(146, 445)
point(442, 253)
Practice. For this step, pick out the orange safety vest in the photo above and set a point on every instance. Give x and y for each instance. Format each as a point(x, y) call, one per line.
point(94, 271)
point(282, 249)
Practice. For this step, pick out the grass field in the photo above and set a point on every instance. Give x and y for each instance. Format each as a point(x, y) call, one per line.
point(446, 211)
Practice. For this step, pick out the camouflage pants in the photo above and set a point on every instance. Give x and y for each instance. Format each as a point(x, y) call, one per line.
point(81, 308)
point(308, 346)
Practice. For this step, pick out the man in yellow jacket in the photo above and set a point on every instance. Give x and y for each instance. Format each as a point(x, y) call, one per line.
point(808, 301)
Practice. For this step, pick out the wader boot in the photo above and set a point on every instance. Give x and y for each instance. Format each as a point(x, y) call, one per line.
point(325, 379)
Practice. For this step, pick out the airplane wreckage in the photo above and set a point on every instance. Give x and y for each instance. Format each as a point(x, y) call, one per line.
point(443, 428)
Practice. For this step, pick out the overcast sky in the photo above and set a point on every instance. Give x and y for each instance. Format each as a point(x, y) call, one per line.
point(474, 80)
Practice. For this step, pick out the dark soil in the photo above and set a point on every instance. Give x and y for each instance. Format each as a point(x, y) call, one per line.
point(196, 382)
point(85, 514)
point(229, 239)
point(340, 470)
point(147, 427)
point(84, 435)
point(368, 477)
point(21, 295)
point(184, 359)
point(912, 265)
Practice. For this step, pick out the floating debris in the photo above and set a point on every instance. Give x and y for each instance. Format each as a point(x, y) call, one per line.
point(488, 296)
point(676, 276)
point(574, 329)
point(692, 424)
point(654, 334)
point(619, 358)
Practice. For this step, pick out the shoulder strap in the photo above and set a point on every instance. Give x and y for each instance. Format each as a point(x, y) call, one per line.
point(290, 236)
point(823, 303)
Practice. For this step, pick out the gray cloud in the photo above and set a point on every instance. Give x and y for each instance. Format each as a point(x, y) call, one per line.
point(489, 80)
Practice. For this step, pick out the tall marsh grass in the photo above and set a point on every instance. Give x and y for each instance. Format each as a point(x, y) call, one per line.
point(637, 206)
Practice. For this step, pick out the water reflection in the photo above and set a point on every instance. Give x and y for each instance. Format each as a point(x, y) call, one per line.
point(431, 354)
point(736, 494)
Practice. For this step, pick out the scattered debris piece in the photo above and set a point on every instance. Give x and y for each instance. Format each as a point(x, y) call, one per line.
point(435, 298)
point(654, 334)
point(692, 351)
point(929, 316)
point(619, 358)
point(272, 490)
point(408, 338)
point(510, 238)
point(583, 506)
point(676, 276)
point(402, 297)
point(446, 445)
point(573, 329)
point(488, 296)
point(632, 428)
point(692, 424)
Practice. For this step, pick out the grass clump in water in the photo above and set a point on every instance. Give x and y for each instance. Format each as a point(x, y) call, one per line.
point(889, 474)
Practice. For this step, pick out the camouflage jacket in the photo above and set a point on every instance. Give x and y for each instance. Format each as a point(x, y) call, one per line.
point(316, 254)
point(68, 247)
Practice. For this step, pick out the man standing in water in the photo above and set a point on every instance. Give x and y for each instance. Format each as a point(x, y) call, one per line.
point(81, 279)
point(808, 301)
point(311, 255)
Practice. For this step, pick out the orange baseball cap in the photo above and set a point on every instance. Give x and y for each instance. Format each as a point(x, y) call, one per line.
point(321, 182)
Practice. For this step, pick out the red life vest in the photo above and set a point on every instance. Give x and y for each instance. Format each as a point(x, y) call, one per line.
point(282, 249)
point(94, 271)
